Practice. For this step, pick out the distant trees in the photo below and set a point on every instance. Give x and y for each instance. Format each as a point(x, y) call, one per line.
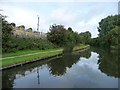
point(85, 37)
point(94, 42)
point(58, 36)
point(63, 37)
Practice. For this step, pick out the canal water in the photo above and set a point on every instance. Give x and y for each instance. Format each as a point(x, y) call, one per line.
point(92, 68)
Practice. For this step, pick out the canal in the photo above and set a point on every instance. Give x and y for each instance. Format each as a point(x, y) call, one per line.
point(92, 68)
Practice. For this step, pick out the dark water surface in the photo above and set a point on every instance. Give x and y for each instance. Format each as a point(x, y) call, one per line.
point(93, 68)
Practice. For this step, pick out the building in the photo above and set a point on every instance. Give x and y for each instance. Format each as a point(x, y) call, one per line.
point(20, 31)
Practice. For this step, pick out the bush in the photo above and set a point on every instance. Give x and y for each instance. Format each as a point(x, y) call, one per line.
point(16, 44)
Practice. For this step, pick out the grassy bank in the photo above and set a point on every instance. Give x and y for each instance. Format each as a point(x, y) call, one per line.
point(80, 47)
point(11, 61)
point(22, 52)
point(39, 54)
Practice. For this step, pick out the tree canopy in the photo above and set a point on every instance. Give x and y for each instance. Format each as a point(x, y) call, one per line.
point(61, 36)
point(109, 32)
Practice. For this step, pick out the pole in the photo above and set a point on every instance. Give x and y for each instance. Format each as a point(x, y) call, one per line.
point(38, 76)
point(38, 25)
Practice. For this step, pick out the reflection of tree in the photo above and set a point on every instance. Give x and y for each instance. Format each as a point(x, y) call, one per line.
point(108, 62)
point(7, 80)
point(8, 76)
point(86, 53)
point(58, 67)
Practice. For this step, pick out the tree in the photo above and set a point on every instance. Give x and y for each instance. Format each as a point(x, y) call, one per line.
point(85, 37)
point(70, 29)
point(70, 37)
point(108, 23)
point(62, 36)
point(6, 33)
point(12, 44)
point(57, 34)
point(113, 36)
point(109, 31)
point(94, 41)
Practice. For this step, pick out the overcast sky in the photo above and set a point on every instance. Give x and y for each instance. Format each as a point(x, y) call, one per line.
point(80, 16)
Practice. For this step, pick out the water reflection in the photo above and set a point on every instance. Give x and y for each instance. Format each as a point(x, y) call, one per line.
point(8, 76)
point(86, 53)
point(91, 68)
point(108, 61)
point(58, 67)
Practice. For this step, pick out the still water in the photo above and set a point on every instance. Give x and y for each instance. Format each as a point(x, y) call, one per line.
point(92, 68)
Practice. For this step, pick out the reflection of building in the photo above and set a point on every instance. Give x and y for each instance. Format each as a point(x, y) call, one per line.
point(20, 31)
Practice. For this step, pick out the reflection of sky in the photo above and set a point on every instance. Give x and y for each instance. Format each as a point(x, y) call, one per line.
point(87, 74)
point(84, 74)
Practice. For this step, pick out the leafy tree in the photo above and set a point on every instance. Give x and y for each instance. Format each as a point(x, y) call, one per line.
point(57, 34)
point(94, 41)
point(77, 38)
point(63, 37)
point(108, 23)
point(6, 33)
point(85, 37)
point(70, 37)
point(70, 29)
point(109, 31)
point(113, 36)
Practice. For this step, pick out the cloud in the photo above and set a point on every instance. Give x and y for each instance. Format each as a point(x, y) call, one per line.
point(22, 16)
point(59, 1)
point(80, 16)
point(19, 16)
point(62, 15)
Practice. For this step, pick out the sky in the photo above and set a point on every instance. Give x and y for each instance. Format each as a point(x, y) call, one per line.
point(81, 16)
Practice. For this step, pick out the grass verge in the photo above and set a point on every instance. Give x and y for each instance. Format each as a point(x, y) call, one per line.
point(22, 52)
point(11, 61)
point(80, 47)
point(16, 60)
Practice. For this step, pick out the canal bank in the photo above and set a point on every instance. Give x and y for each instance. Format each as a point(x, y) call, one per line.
point(87, 69)
point(29, 58)
point(14, 61)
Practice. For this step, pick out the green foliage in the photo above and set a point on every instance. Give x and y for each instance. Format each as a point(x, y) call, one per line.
point(16, 44)
point(61, 37)
point(10, 43)
point(94, 42)
point(107, 24)
point(85, 37)
point(6, 34)
point(70, 38)
point(57, 34)
point(113, 36)
point(109, 32)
